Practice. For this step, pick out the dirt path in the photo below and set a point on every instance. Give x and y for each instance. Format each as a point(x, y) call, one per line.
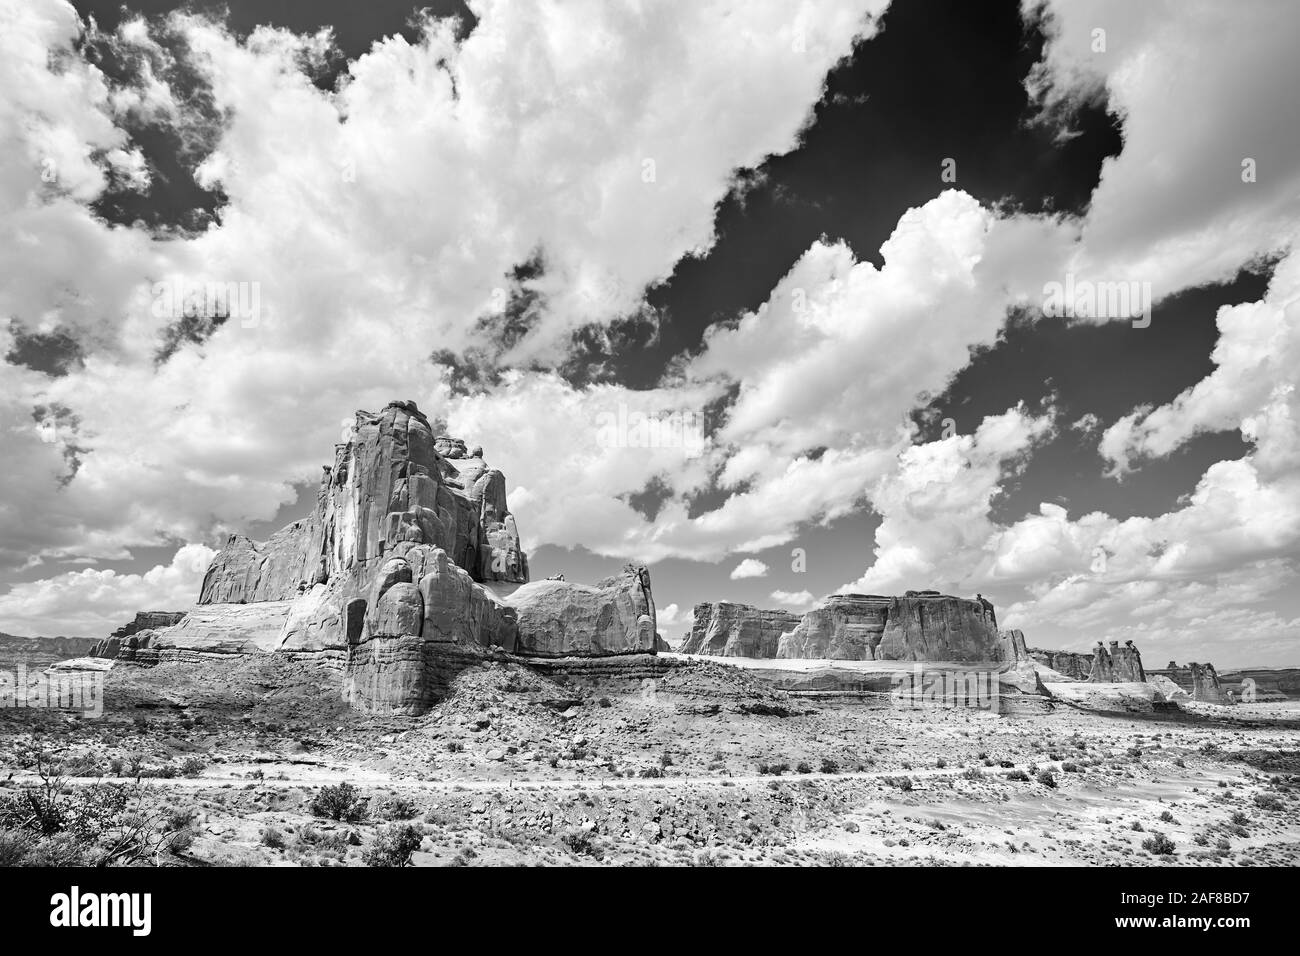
point(372, 779)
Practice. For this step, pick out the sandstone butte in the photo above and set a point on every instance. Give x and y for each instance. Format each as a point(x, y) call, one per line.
point(410, 568)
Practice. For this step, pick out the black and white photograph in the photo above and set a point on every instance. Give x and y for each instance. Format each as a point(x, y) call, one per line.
point(629, 434)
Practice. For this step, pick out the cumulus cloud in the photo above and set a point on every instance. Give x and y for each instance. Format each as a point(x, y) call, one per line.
point(380, 223)
point(934, 505)
point(1187, 82)
point(92, 603)
point(749, 568)
point(794, 599)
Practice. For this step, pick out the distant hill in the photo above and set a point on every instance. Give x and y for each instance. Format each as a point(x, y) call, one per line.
point(43, 649)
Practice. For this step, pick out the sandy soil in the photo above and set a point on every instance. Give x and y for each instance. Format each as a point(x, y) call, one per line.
point(704, 767)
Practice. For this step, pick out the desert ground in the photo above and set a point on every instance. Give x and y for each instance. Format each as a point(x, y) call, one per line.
point(704, 767)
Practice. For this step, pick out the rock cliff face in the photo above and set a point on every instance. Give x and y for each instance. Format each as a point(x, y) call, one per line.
point(918, 626)
point(725, 629)
point(1066, 663)
point(1119, 665)
point(1205, 684)
point(563, 619)
point(389, 490)
point(409, 566)
point(125, 637)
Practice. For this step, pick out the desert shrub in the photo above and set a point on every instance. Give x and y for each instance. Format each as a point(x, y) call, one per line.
point(1159, 844)
point(341, 802)
point(51, 824)
point(829, 766)
point(1070, 767)
point(803, 767)
point(398, 808)
point(579, 843)
point(1019, 775)
point(83, 765)
point(1046, 779)
point(192, 767)
point(1266, 801)
point(393, 845)
point(180, 841)
point(973, 773)
point(117, 766)
point(1239, 818)
point(1167, 816)
point(902, 783)
point(651, 772)
point(665, 759)
point(178, 818)
point(273, 838)
point(1137, 827)
point(455, 746)
point(14, 847)
point(940, 764)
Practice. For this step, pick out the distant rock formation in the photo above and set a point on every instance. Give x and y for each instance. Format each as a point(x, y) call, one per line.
point(1066, 663)
point(14, 647)
point(129, 636)
point(1119, 665)
point(1201, 681)
point(918, 626)
point(1270, 682)
point(1206, 686)
point(726, 629)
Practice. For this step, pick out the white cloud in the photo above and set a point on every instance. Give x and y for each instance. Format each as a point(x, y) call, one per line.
point(749, 568)
point(1200, 87)
point(377, 240)
point(92, 603)
point(794, 599)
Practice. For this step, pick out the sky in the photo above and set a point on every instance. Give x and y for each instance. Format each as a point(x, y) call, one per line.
point(781, 300)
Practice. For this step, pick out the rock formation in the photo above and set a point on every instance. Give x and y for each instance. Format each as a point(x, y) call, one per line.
point(564, 619)
point(408, 567)
point(1206, 686)
point(918, 626)
point(726, 629)
point(1066, 663)
point(1119, 665)
point(130, 635)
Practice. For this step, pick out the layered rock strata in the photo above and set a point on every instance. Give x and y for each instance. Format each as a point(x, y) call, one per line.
point(917, 626)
